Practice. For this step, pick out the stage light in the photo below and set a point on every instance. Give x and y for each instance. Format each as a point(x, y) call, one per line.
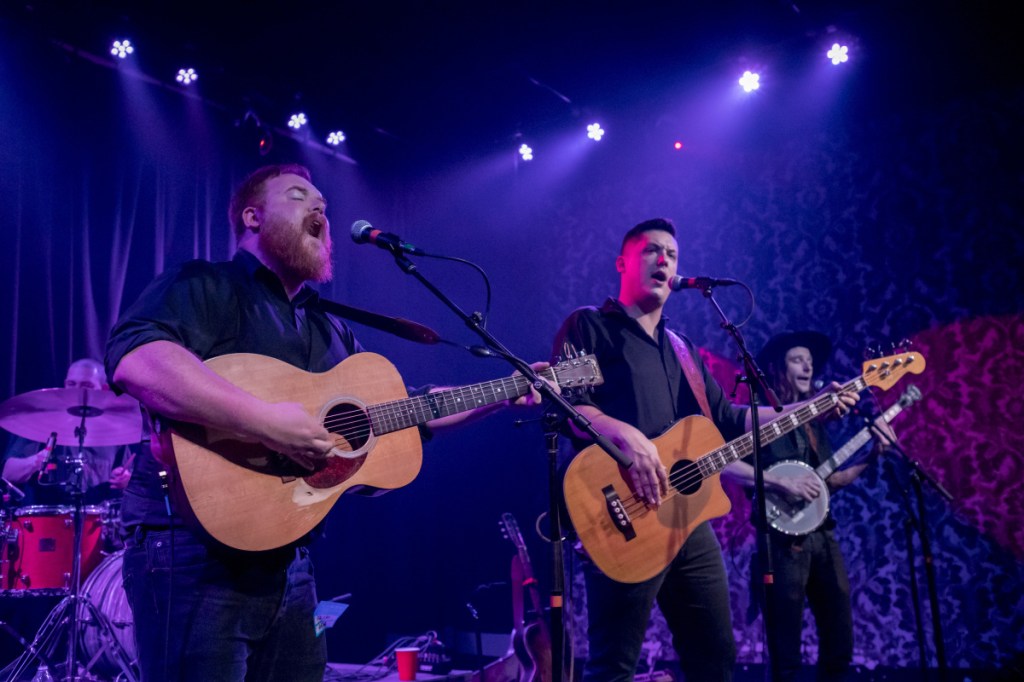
point(297, 121)
point(186, 76)
point(750, 81)
point(595, 132)
point(526, 152)
point(336, 138)
point(122, 48)
point(838, 54)
point(677, 146)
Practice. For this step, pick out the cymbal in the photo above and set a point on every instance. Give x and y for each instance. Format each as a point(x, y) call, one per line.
point(109, 419)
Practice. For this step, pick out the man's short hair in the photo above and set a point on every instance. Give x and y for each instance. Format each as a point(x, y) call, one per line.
point(88, 364)
point(663, 224)
point(250, 192)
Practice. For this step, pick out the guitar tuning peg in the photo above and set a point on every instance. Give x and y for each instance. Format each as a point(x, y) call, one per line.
point(906, 344)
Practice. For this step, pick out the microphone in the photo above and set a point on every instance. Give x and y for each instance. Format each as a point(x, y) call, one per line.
point(48, 472)
point(363, 232)
point(678, 283)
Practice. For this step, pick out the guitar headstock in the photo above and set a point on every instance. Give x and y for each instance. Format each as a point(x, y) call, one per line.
point(910, 396)
point(510, 531)
point(885, 372)
point(579, 371)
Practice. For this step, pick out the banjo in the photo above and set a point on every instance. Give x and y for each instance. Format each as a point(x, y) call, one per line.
point(799, 516)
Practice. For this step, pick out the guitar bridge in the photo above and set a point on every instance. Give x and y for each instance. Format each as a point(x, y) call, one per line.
point(617, 512)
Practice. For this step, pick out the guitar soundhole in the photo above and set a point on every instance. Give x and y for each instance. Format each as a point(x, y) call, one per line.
point(350, 426)
point(685, 477)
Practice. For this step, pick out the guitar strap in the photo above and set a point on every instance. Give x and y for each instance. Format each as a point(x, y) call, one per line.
point(693, 376)
point(400, 327)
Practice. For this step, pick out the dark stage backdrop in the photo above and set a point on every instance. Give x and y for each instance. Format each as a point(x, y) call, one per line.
point(902, 224)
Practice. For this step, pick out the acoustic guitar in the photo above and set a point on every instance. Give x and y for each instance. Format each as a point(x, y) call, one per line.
point(251, 498)
point(631, 542)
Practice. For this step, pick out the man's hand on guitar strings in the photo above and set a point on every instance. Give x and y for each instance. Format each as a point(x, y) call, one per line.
point(846, 400)
point(534, 397)
point(648, 476)
point(291, 431)
point(805, 487)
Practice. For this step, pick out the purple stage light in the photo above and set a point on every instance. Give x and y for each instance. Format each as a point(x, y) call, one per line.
point(678, 146)
point(297, 121)
point(750, 81)
point(336, 138)
point(838, 54)
point(526, 152)
point(595, 132)
point(186, 76)
point(122, 48)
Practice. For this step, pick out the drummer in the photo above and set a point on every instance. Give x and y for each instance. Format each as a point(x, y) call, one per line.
point(106, 469)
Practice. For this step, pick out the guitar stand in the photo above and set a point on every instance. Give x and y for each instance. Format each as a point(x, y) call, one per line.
point(65, 617)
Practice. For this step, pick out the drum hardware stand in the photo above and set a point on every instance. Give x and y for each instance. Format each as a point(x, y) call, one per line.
point(65, 616)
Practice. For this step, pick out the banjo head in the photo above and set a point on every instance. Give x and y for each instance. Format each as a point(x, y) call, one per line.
point(795, 517)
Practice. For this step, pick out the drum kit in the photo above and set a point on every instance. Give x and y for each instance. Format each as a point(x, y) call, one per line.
point(50, 550)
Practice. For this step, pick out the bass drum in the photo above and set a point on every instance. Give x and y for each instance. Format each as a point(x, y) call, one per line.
point(105, 590)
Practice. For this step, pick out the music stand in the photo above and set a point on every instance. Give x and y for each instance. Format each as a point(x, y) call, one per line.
point(65, 618)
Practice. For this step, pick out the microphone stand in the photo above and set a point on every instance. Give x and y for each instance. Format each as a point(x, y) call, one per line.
point(474, 323)
point(564, 407)
point(917, 475)
point(755, 381)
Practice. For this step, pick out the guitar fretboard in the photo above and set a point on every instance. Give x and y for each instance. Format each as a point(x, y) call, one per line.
point(402, 414)
point(854, 444)
point(716, 460)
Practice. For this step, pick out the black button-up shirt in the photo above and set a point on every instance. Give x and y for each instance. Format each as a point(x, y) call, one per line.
point(213, 309)
point(644, 383)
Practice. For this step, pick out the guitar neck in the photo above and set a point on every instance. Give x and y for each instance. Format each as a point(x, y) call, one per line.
point(716, 460)
point(854, 444)
point(402, 414)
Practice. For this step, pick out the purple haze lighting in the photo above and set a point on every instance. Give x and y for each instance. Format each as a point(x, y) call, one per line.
point(336, 138)
point(838, 54)
point(526, 152)
point(595, 132)
point(122, 48)
point(186, 76)
point(297, 121)
point(750, 81)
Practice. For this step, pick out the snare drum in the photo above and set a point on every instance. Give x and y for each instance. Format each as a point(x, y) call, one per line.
point(40, 554)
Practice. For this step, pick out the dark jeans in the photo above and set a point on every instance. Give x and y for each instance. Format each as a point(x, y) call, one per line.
point(233, 615)
point(693, 594)
point(810, 569)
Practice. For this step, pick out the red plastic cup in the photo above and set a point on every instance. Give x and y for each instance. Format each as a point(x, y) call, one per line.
point(408, 659)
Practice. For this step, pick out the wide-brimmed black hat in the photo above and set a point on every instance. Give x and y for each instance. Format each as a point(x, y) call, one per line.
point(774, 352)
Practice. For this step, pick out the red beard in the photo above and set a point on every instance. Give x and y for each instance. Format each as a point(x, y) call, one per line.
point(290, 246)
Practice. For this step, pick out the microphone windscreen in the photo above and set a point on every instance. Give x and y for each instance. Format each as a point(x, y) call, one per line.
point(360, 229)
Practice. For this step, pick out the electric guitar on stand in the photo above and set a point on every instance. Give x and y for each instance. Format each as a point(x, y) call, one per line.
point(800, 517)
point(531, 640)
point(631, 542)
point(251, 498)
